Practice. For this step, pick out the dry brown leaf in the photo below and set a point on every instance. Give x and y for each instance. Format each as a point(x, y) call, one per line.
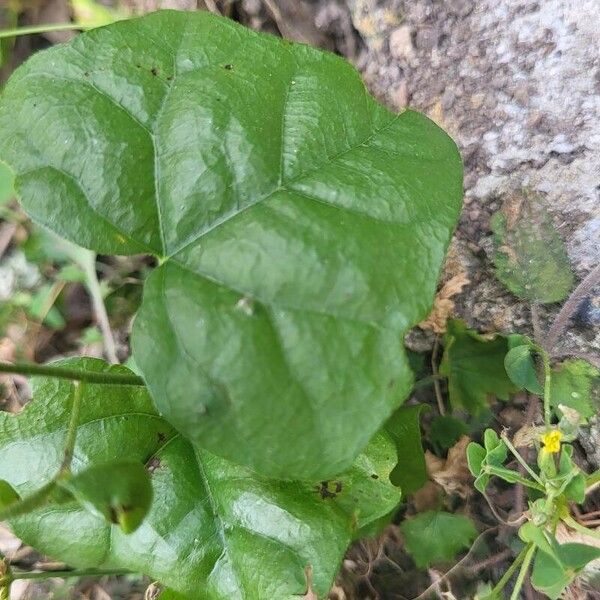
point(452, 474)
point(443, 305)
point(427, 497)
point(310, 593)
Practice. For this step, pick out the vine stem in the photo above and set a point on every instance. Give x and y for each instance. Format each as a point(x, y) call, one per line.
point(570, 306)
point(107, 378)
point(510, 572)
point(521, 460)
point(18, 31)
point(65, 466)
point(523, 572)
point(547, 387)
point(65, 574)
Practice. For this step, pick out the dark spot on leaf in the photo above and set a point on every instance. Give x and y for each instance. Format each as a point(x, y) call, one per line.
point(228, 67)
point(325, 492)
point(138, 65)
point(154, 71)
point(113, 516)
point(161, 437)
point(87, 74)
point(391, 383)
point(170, 78)
point(374, 476)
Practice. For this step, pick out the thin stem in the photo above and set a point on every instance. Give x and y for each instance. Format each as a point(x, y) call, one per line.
point(538, 334)
point(547, 387)
point(427, 381)
point(65, 574)
point(72, 431)
point(570, 307)
point(93, 286)
point(521, 459)
point(523, 572)
point(18, 31)
point(107, 378)
point(510, 572)
point(436, 383)
point(26, 505)
point(573, 524)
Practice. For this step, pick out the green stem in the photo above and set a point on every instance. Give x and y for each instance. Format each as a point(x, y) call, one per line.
point(523, 572)
point(107, 378)
point(427, 381)
point(73, 573)
point(28, 504)
point(72, 431)
point(547, 387)
point(521, 460)
point(18, 31)
point(510, 572)
point(592, 479)
point(573, 524)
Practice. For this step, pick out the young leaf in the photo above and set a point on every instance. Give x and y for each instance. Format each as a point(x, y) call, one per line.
point(120, 491)
point(299, 228)
point(474, 365)
point(410, 473)
point(437, 536)
point(520, 367)
point(531, 259)
point(576, 384)
point(212, 526)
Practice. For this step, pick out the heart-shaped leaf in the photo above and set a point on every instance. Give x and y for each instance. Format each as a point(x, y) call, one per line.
point(213, 528)
point(300, 225)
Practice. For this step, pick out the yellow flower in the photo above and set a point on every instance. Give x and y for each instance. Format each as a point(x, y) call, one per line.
point(552, 441)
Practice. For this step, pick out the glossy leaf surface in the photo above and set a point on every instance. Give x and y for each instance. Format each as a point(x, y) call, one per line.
point(300, 225)
point(214, 530)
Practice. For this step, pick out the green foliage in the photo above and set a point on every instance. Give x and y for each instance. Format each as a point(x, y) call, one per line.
point(445, 431)
point(487, 459)
point(576, 385)
point(530, 257)
point(474, 366)
point(120, 491)
point(212, 525)
point(8, 494)
point(298, 227)
point(410, 472)
point(437, 536)
point(520, 366)
point(7, 180)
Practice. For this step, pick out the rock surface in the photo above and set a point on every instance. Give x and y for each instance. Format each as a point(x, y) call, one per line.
point(517, 84)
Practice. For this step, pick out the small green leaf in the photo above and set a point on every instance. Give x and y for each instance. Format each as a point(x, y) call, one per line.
point(410, 473)
point(575, 490)
point(520, 367)
point(474, 365)
point(475, 456)
point(119, 491)
point(445, 431)
point(8, 494)
point(552, 573)
point(530, 257)
point(576, 384)
point(437, 536)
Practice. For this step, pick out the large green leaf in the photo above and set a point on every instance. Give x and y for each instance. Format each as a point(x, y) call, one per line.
point(300, 225)
point(214, 530)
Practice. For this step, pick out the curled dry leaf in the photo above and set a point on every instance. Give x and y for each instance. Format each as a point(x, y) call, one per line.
point(443, 305)
point(452, 474)
point(527, 435)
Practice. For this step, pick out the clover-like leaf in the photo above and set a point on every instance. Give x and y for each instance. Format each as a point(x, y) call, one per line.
point(300, 226)
point(437, 536)
point(213, 527)
point(474, 365)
